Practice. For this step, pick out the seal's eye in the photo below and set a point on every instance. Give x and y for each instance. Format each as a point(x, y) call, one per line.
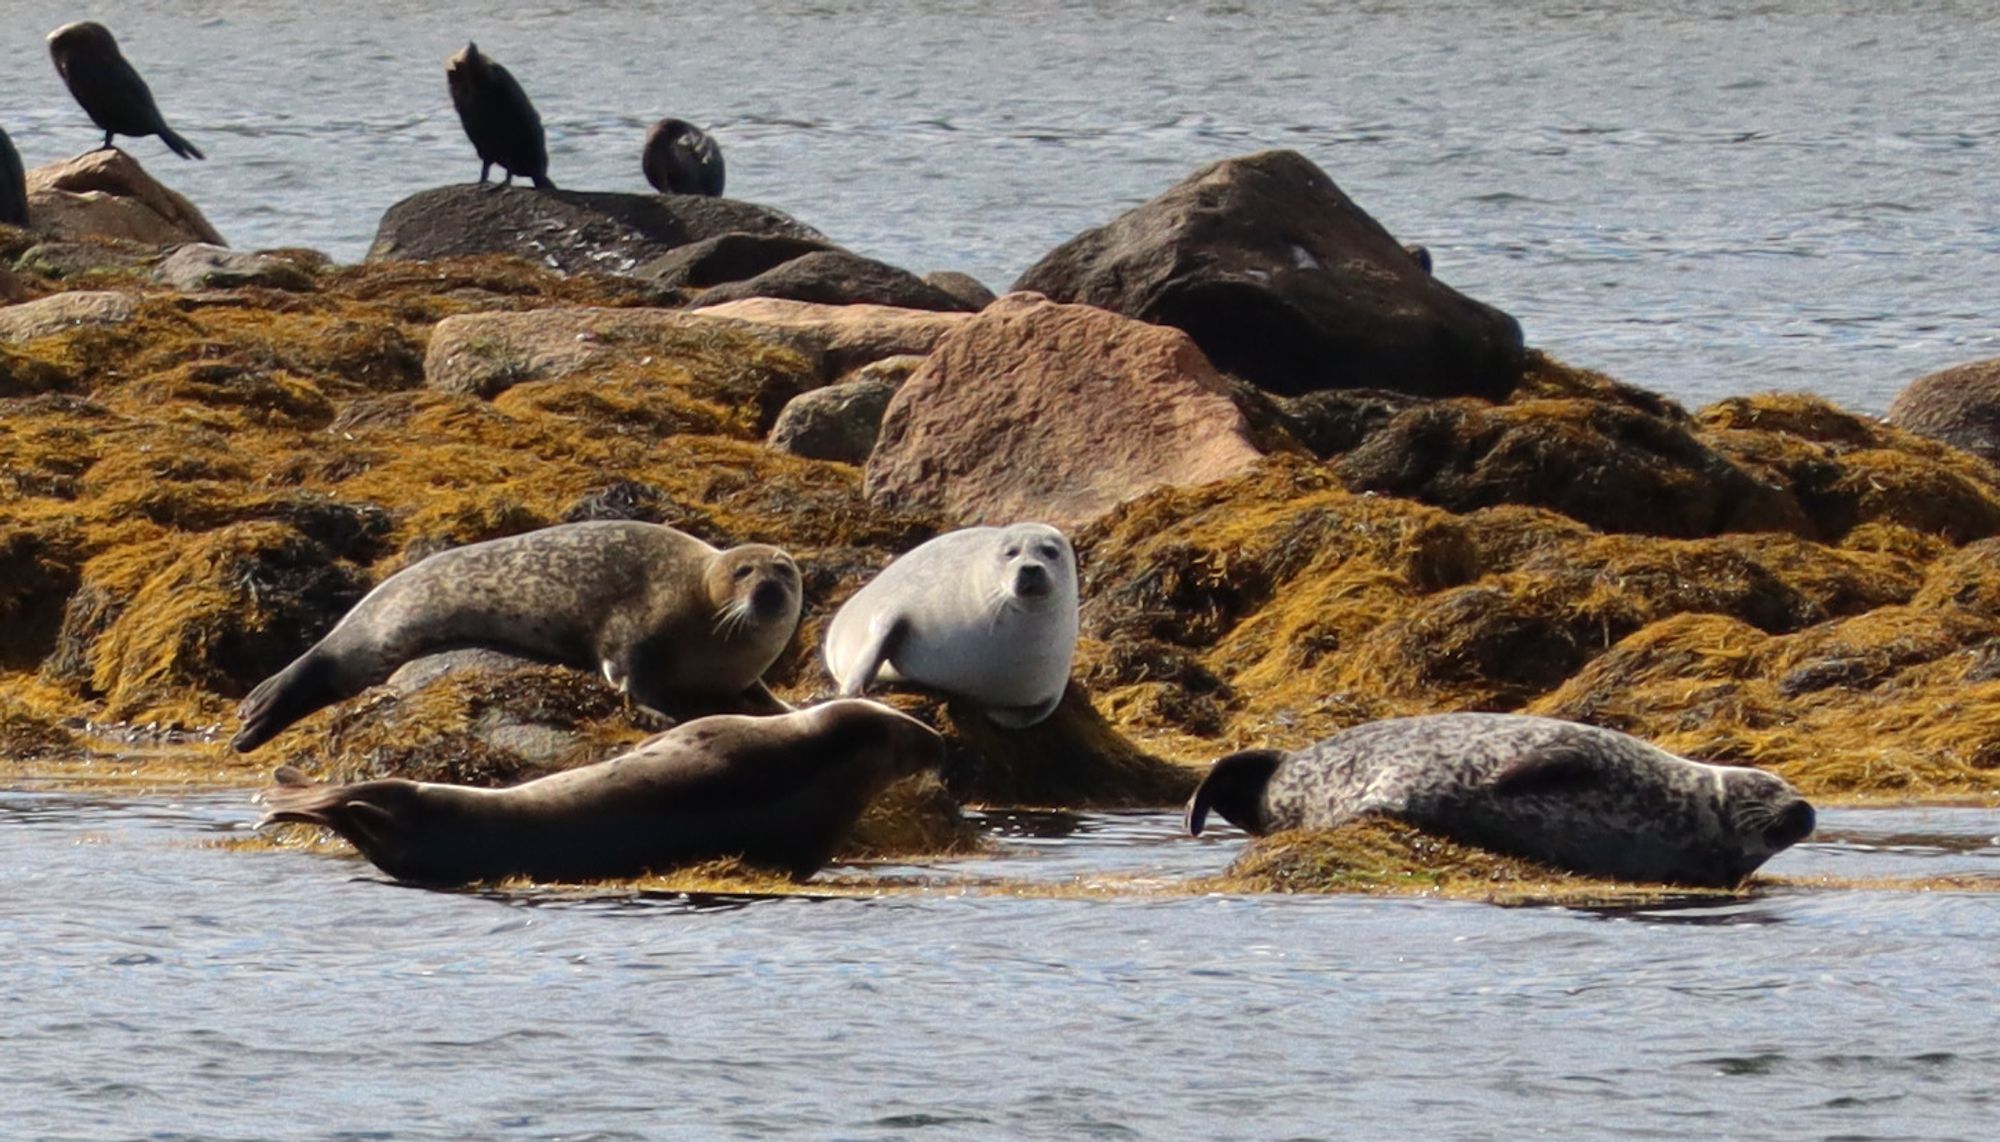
point(744, 572)
point(1050, 552)
point(1012, 551)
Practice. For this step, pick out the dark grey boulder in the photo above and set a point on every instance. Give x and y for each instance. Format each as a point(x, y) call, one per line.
point(1959, 405)
point(964, 287)
point(568, 230)
point(1285, 282)
point(725, 258)
point(839, 277)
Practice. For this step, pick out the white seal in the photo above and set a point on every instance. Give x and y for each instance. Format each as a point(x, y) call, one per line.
point(985, 613)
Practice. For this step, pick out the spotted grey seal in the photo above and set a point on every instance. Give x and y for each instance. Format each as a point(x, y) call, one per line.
point(661, 613)
point(1578, 797)
point(109, 88)
point(13, 185)
point(778, 792)
point(681, 158)
point(988, 613)
point(504, 127)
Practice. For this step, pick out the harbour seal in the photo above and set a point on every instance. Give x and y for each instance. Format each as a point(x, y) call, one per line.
point(681, 158)
point(109, 88)
point(504, 127)
point(1578, 797)
point(779, 792)
point(988, 613)
point(13, 184)
point(661, 613)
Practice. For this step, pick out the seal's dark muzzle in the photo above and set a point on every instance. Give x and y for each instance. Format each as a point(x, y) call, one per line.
point(768, 600)
point(1794, 824)
point(1031, 581)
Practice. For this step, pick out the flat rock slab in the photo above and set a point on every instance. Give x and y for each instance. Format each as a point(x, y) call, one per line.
point(199, 266)
point(1034, 410)
point(1283, 281)
point(1959, 405)
point(62, 311)
point(849, 336)
point(569, 230)
point(107, 194)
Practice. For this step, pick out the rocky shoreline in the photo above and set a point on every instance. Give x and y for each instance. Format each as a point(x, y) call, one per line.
point(209, 456)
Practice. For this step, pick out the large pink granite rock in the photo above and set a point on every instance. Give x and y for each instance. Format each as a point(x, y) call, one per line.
point(1035, 410)
point(107, 194)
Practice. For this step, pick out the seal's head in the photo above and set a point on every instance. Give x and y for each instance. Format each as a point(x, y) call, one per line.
point(1234, 788)
point(1764, 812)
point(1037, 568)
point(755, 585)
point(891, 742)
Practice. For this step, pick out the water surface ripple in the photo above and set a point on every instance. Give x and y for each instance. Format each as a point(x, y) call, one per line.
point(166, 989)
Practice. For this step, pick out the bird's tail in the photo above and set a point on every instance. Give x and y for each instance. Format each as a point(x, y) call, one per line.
point(178, 145)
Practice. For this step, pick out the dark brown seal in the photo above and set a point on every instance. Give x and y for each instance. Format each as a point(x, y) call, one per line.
point(777, 792)
point(109, 88)
point(504, 127)
point(662, 615)
point(681, 158)
point(1577, 797)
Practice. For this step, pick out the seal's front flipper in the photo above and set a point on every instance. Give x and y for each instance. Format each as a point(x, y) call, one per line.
point(886, 637)
point(1551, 772)
point(284, 698)
point(759, 700)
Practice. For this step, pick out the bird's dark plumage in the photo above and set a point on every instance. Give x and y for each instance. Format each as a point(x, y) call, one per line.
point(13, 185)
point(681, 158)
point(108, 88)
point(503, 126)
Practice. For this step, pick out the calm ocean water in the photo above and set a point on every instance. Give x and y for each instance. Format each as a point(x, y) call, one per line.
point(1706, 198)
point(1712, 199)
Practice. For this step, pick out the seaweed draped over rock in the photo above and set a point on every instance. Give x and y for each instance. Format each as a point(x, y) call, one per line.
point(195, 487)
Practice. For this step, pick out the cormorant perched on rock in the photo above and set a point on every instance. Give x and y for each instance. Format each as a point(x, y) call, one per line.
point(13, 185)
point(681, 158)
point(108, 88)
point(502, 124)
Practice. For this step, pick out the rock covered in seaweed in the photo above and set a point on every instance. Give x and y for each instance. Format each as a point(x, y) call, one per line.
point(1284, 281)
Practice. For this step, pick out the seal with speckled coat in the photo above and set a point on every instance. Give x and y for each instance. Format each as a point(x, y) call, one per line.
point(987, 613)
point(659, 612)
point(109, 88)
point(778, 792)
point(1578, 797)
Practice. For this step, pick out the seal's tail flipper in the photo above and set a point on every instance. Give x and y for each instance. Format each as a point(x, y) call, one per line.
point(1234, 788)
point(284, 698)
point(349, 810)
point(178, 145)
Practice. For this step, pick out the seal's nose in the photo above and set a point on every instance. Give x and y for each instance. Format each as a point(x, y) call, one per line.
point(1793, 825)
point(768, 599)
point(1031, 581)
